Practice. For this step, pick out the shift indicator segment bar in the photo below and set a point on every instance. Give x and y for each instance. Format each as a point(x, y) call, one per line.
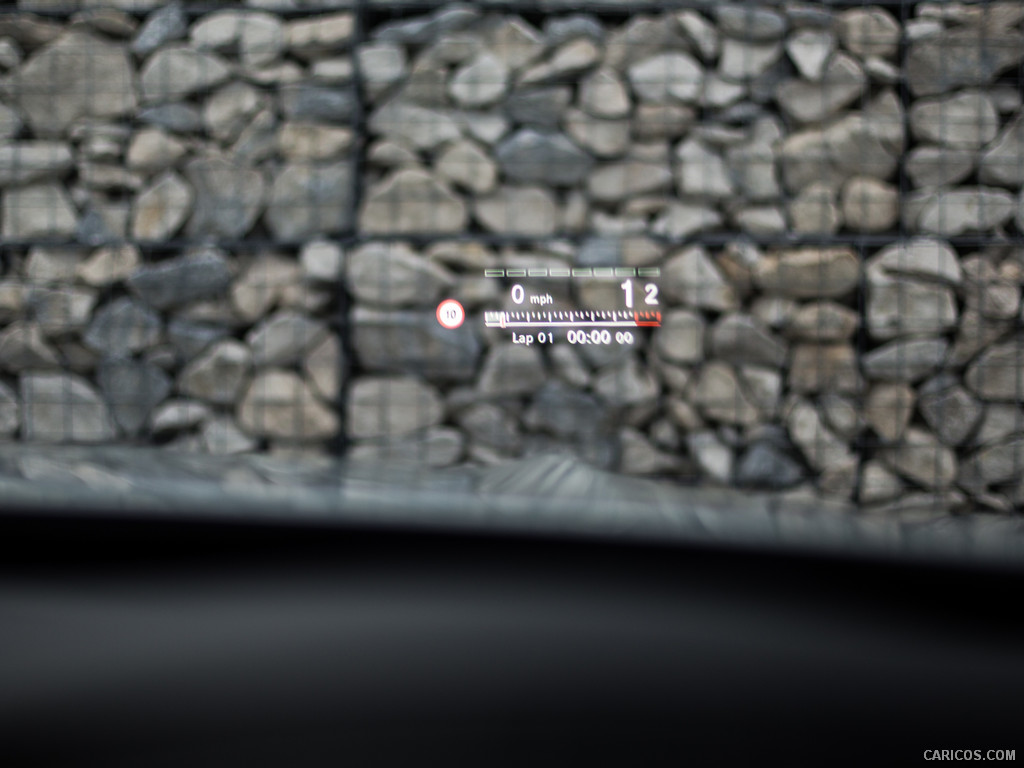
point(574, 318)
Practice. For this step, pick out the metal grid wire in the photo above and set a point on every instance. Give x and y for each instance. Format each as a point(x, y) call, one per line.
point(228, 229)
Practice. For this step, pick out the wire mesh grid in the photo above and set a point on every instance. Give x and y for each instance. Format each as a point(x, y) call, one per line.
point(769, 245)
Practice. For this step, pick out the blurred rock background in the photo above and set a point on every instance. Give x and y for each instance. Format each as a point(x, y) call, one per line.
point(225, 230)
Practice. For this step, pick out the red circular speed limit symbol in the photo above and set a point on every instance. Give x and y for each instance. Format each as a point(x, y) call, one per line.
point(450, 314)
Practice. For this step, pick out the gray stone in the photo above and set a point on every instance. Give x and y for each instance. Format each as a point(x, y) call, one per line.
point(178, 415)
point(923, 459)
point(568, 60)
point(392, 274)
point(743, 340)
point(22, 162)
point(654, 122)
point(304, 101)
point(427, 28)
point(122, 327)
point(713, 456)
point(680, 339)
point(258, 37)
point(283, 338)
point(814, 210)
point(409, 201)
point(603, 138)
point(702, 172)
point(967, 119)
point(177, 118)
point(878, 484)
point(10, 411)
point(38, 211)
point(132, 390)
point(539, 108)
point(381, 66)
point(170, 283)
point(905, 359)
point(617, 181)
point(51, 265)
point(719, 396)
point(667, 78)
point(903, 307)
point(819, 445)
point(310, 200)
point(466, 164)
point(530, 156)
point(811, 102)
point(190, 338)
point(626, 384)
point(809, 272)
point(743, 60)
point(22, 347)
point(152, 150)
point(511, 370)
point(62, 408)
point(604, 95)
point(824, 368)
point(1002, 162)
point(228, 198)
point(567, 413)
point(61, 310)
point(750, 22)
point(765, 465)
point(316, 36)
point(162, 26)
point(322, 366)
point(638, 456)
point(922, 258)
point(321, 261)
point(390, 406)
point(175, 72)
point(952, 413)
point(869, 205)
point(263, 285)
point(77, 76)
point(221, 436)
point(693, 279)
point(699, 31)
point(869, 32)
point(218, 374)
point(527, 211)
point(809, 50)
point(558, 30)
point(888, 409)
point(10, 122)
point(309, 142)
point(962, 57)
point(823, 321)
point(231, 108)
point(162, 208)
point(280, 405)
point(998, 463)
point(416, 126)
point(998, 372)
point(969, 209)
point(480, 83)
point(488, 425)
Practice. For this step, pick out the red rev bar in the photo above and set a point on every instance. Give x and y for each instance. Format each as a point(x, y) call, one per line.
point(647, 319)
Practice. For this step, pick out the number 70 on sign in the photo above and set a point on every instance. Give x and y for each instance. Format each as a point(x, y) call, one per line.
point(650, 293)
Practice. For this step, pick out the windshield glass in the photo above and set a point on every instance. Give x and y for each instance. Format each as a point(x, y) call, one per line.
point(719, 270)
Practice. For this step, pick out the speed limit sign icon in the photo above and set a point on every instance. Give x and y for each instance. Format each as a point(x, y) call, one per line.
point(450, 314)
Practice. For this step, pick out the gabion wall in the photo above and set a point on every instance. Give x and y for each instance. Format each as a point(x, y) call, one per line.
point(226, 229)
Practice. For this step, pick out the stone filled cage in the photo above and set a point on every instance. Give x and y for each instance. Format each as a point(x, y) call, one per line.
point(226, 229)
